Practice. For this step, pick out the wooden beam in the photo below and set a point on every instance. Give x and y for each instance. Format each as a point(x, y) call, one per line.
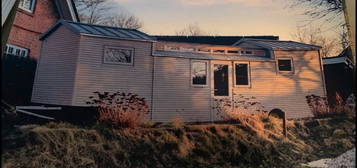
point(36, 115)
point(38, 108)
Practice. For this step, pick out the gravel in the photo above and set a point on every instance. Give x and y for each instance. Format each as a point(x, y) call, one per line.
point(346, 160)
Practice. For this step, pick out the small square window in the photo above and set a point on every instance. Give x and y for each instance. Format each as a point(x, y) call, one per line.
point(27, 5)
point(118, 55)
point(199, 73)
point(285, 65)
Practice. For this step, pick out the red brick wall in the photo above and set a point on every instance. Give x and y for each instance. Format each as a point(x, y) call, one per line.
point(28, 27)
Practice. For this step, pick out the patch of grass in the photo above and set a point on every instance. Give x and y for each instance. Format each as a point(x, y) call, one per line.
point(256, 143)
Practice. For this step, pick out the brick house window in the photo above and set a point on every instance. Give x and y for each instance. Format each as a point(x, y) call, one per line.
point(118, 55)
point(27, 5)
point(16, 50)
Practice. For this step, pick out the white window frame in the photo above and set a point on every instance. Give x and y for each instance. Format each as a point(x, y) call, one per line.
point(235, 77)
point(14, 50)
point(119, 63)
point(291, 62)
point(32, 6)
point(191, 73)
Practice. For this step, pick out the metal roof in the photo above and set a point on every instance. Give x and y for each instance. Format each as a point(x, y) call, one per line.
point(99, 30)
point(278, 45)
point(215, 40)
point(209, 56)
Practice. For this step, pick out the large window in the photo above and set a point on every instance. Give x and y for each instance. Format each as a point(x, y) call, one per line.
point(199, 73)
point(285, 64)
point(16, 50)
point(242, 74)
point(118, 55)
point(27, 5)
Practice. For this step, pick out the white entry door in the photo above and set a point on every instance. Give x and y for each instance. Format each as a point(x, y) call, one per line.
point(221, 84)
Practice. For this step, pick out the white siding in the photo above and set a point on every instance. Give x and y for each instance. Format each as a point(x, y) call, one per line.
point(174, 97)
point(6, 6)
point(93, 75)
point(55, 72)
point(286, 91)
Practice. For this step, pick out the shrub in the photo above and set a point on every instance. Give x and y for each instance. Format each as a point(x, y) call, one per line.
point(320, 107)
point(229, 109)
point(120, 109)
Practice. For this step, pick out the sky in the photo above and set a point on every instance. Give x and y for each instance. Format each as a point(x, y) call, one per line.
point(217, 17)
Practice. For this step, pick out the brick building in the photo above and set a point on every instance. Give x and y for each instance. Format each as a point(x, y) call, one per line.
point(22, 51)
point(33, 18)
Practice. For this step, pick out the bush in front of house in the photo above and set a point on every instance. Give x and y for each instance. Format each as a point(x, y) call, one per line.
point(119, 109)
point(228, 109)
point(250, 114)
point(320, 108)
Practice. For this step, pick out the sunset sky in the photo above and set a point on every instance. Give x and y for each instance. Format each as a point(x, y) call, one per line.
point(219, 17)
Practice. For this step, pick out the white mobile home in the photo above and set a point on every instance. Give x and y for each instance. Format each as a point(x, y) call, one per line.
point(178, 79)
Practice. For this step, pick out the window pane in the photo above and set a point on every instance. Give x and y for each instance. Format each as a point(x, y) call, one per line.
point(233, 51)
point(199, 76)
point(242, 74)
point(17, 52)
point(118, 55)
point(284, 65)
point(26, 4)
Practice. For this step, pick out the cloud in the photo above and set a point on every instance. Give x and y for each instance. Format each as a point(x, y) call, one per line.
point(219, 2)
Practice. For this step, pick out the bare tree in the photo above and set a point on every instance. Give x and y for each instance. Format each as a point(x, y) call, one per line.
point(328, 10)
point(93, 11)
point(104, 12)
point(124, 20)
point(315, 36)
point(191, 30)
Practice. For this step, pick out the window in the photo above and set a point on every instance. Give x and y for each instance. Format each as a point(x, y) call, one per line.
point(218, 51)
point(285, 65)
point(27, 5)
point(199, 73)
point(204, 50)
point(172, 48)
point(249, 52)
point(242, 74)
point(233, 51)
point(185, 49)
point(118, 55)
point(16, 50)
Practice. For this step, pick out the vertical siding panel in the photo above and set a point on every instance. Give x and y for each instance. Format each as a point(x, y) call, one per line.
point(56, 68)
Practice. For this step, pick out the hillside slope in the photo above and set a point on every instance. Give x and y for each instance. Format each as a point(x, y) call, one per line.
point(169, 145)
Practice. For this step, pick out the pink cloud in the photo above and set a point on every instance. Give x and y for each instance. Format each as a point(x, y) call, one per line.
point(216, 2)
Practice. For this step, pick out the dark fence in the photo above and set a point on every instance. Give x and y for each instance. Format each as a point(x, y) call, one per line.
point(17, 77)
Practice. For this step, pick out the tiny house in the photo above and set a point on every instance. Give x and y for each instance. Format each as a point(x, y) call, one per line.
point(178, 79)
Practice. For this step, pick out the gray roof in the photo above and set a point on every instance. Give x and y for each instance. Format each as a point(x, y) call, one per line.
point(208, 56)
point(99, 30)
point(278, 45)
